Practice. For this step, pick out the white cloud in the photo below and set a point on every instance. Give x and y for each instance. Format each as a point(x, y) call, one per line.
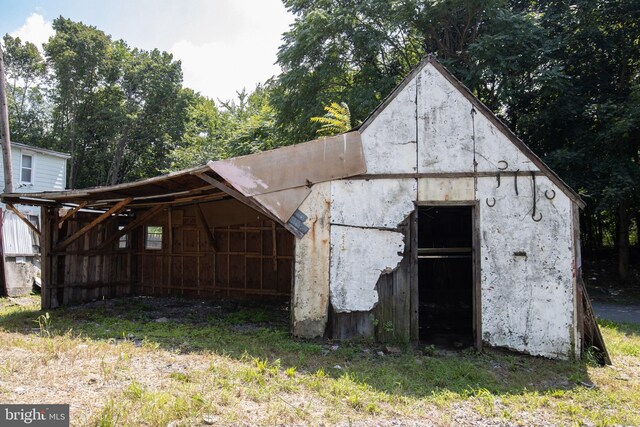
point(219, 69)
point(236, 50)
point(35, 30)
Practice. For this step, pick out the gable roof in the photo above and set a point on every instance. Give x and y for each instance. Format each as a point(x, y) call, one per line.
point(480, 107)
point(40, 150)
point(273, 182)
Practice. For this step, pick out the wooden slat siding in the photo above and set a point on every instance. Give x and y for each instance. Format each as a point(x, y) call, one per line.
point(394, 310)
point(189, 266)
point(113, 210)
point(45, 257)
point(354, 325)
point(235, 271)
point(414, 294)
point(477, 277)
point(145, 216)
point(56, 261)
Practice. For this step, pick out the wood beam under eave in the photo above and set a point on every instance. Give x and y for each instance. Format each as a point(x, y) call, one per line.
point(205, 227)
point(75, 236)
point(246, 200)
point(133, 224)
point(23, 218)
point(70, 214)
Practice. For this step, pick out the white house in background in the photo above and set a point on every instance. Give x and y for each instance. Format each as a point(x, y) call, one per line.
point(34, 170)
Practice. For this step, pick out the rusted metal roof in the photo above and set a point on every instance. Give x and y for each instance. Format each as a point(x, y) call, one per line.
point(274, 182)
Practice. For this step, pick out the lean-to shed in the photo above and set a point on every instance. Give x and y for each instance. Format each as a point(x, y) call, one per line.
point(431, 221)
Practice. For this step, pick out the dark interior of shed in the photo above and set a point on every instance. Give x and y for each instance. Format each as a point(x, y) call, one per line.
point(445, 275)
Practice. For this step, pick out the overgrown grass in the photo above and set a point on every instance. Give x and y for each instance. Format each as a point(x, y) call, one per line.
point(118, 365)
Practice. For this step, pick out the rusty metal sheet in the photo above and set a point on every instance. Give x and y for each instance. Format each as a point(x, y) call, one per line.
point(283, 203)
point(298, 165)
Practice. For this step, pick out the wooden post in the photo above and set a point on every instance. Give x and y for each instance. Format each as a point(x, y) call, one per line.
point(45, 259)
point(4, 130)
point(3, 275)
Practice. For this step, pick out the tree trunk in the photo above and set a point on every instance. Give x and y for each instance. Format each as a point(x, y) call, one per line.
point(116, 163)
point(74, 151)
point(623, 240)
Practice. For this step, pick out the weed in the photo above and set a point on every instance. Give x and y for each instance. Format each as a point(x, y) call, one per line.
point(290, 372)
point(44, 324)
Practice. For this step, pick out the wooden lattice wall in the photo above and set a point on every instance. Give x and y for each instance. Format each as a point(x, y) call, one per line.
point(216, 250)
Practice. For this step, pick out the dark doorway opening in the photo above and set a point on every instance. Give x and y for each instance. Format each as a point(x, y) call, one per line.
point(445, 275)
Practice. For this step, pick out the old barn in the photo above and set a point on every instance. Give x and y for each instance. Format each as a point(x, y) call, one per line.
point(431, 222)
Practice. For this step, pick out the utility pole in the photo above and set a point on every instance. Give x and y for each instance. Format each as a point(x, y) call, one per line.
point(4, 129)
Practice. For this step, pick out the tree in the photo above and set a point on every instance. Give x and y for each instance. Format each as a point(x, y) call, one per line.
point(336, 120)
point(118, 111)
point(26, 72)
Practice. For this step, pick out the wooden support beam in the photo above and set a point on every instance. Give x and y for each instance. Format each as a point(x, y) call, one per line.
point(246, 200)
point(233, 193)
point(75, 236)
point(275, 246)
point(205, 226)
point(70, 213)
point(133, 224)
point(23, 218)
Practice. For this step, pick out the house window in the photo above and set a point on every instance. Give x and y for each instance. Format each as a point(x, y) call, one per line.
point(26, 169)
point(34, 220)
point(153, 237)
point(123, 242)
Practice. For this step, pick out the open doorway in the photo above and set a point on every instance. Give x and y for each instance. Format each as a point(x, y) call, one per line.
point(446, 275)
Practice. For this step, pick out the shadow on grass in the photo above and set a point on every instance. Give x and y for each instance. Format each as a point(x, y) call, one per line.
point(261, 332)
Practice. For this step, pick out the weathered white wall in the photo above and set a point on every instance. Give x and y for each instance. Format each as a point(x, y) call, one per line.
point(311, 291)
point(364, 243)
point(389, 142)
point(446, 189)
point(446, 129)
point(527, 300)
point(358, 257)
point(377, 203)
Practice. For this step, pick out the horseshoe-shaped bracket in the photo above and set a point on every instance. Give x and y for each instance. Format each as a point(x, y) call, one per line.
point(550, 194)
point(533, 217)
point(502, 165)
point(492, 203)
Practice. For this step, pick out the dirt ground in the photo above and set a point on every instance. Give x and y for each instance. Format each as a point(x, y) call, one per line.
point(172, 362)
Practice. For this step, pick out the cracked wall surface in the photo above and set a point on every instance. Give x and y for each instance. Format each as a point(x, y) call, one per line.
point(527, 282)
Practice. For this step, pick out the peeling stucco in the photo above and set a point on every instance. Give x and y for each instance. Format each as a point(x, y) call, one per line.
point(527, 283)
point(378, 203)
point(358, 257)
point(311, 293)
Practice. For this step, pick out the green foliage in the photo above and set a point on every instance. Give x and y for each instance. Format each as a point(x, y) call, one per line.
point(336, 120)
point(564, 75)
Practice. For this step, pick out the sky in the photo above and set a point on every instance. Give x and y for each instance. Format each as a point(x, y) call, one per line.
point(224, 45)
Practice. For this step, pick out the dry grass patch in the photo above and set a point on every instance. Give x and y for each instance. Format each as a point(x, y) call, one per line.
point(167, 362)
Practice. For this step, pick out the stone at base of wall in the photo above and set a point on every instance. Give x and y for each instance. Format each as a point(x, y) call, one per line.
point(20, 276)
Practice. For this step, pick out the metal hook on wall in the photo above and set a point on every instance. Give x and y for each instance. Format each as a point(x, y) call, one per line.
point(492, 203)
point(550, 196)
point(515, 181)
point(498, 178)
point(502, 165)
point(533, 213)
